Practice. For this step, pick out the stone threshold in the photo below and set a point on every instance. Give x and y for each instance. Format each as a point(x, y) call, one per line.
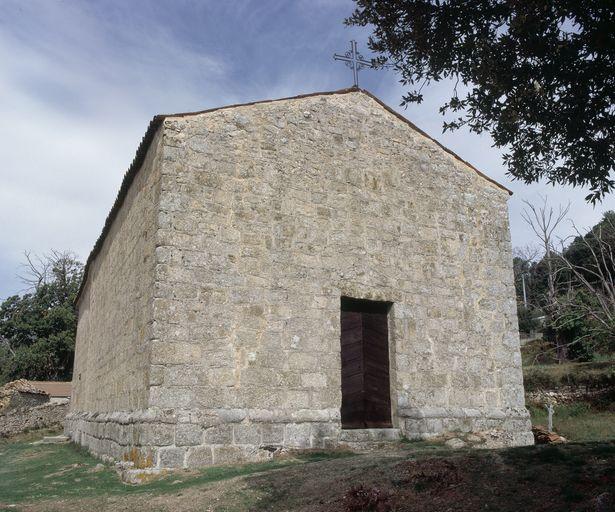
point(373, 435)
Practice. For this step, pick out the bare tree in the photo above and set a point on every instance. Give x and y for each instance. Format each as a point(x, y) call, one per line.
point(57, 266)
point(36, 271)
point(544, 220)
point(596, 276)
point(527, 252)
point(524, 257)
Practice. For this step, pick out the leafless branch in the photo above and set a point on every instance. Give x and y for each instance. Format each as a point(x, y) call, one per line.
point(6, 343)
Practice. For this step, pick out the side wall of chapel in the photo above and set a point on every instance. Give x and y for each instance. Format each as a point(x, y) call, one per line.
point(110, 389)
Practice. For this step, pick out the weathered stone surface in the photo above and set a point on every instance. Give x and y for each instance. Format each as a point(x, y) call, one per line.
point(297, 435)
point(214, 300)
point(228, 454)
point(247, 434)
point(455, 443)
point(199, 456)
point(273, 434)
point(114, 330)
point(188, 434)
point(222, 434)
point(171, 457)
point(16, 420)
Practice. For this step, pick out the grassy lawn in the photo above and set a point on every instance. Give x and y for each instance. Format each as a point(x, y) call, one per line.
point(578, 422)
point(413, 477)
point(32, 472)
point(592, 418)
point(582, 375)
point(407, 476)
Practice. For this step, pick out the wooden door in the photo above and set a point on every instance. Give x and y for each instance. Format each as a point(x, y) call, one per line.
point(366, 399)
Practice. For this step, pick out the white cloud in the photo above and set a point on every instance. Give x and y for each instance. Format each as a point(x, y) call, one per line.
point(74, 109)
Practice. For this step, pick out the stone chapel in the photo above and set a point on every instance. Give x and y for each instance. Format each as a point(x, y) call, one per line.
point(309, 272)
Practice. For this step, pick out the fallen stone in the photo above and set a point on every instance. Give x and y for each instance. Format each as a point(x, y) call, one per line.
point(455, 443)
point(55, 440)
point(473, 438)
point(543, 436)
point(140, 476)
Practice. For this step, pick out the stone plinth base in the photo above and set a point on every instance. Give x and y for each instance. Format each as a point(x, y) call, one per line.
point(501, 427)
point(188, 439)
point(156, 439)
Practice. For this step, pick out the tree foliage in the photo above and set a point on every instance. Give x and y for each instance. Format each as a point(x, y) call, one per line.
point(538, 75)
point(37, 329)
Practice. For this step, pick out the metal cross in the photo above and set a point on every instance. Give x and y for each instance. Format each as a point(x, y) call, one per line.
point(354, 60)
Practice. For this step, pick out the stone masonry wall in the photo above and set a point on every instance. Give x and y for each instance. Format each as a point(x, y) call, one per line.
point(21, 419)
point(18, 399)
point(269, 213)
point(115, 309)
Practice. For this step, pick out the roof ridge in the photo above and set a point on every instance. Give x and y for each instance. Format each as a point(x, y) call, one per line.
point(344, 91)
point(260, 102)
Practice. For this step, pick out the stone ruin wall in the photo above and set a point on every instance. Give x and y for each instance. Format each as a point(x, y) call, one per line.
point(268, 214)
point(24, 418)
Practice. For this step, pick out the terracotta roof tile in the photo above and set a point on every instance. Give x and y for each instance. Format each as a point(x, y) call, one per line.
point(59, 389)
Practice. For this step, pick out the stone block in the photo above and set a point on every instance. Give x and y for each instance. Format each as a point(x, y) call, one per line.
point(247, 434)
point(222, 434)
point(323, 435)
point(303, 415)
point(228, 455)
point(172, 397)
point(297, 435)
point(231, 415)
point(272, 434)
point(433, 425)
point(156, 434)
point(188, 434)
point(314, 380)
point(171, 457)
point(175, 353)
point(199, 456)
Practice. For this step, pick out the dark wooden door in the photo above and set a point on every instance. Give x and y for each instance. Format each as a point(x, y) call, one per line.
point(366, 399)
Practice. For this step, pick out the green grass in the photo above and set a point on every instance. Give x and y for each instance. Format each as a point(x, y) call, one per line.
point(583, 375)
point(59, 477)
point(578, 422)
point(542, 353)
point(33, 472)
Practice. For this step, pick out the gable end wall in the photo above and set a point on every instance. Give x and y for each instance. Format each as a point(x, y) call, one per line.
point(266, 215)
point(270, 213)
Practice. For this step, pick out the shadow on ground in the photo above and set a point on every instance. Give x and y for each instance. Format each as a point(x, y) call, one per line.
point(403, 477)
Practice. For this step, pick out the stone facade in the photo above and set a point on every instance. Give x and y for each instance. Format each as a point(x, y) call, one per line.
point(209, 324)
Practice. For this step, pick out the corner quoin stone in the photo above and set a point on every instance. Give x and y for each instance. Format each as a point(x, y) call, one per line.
point(209, 317)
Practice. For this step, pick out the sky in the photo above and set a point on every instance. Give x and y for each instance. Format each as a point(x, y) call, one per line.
point(80, 80)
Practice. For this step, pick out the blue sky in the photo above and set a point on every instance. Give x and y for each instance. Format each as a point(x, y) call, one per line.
point(79, 82)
